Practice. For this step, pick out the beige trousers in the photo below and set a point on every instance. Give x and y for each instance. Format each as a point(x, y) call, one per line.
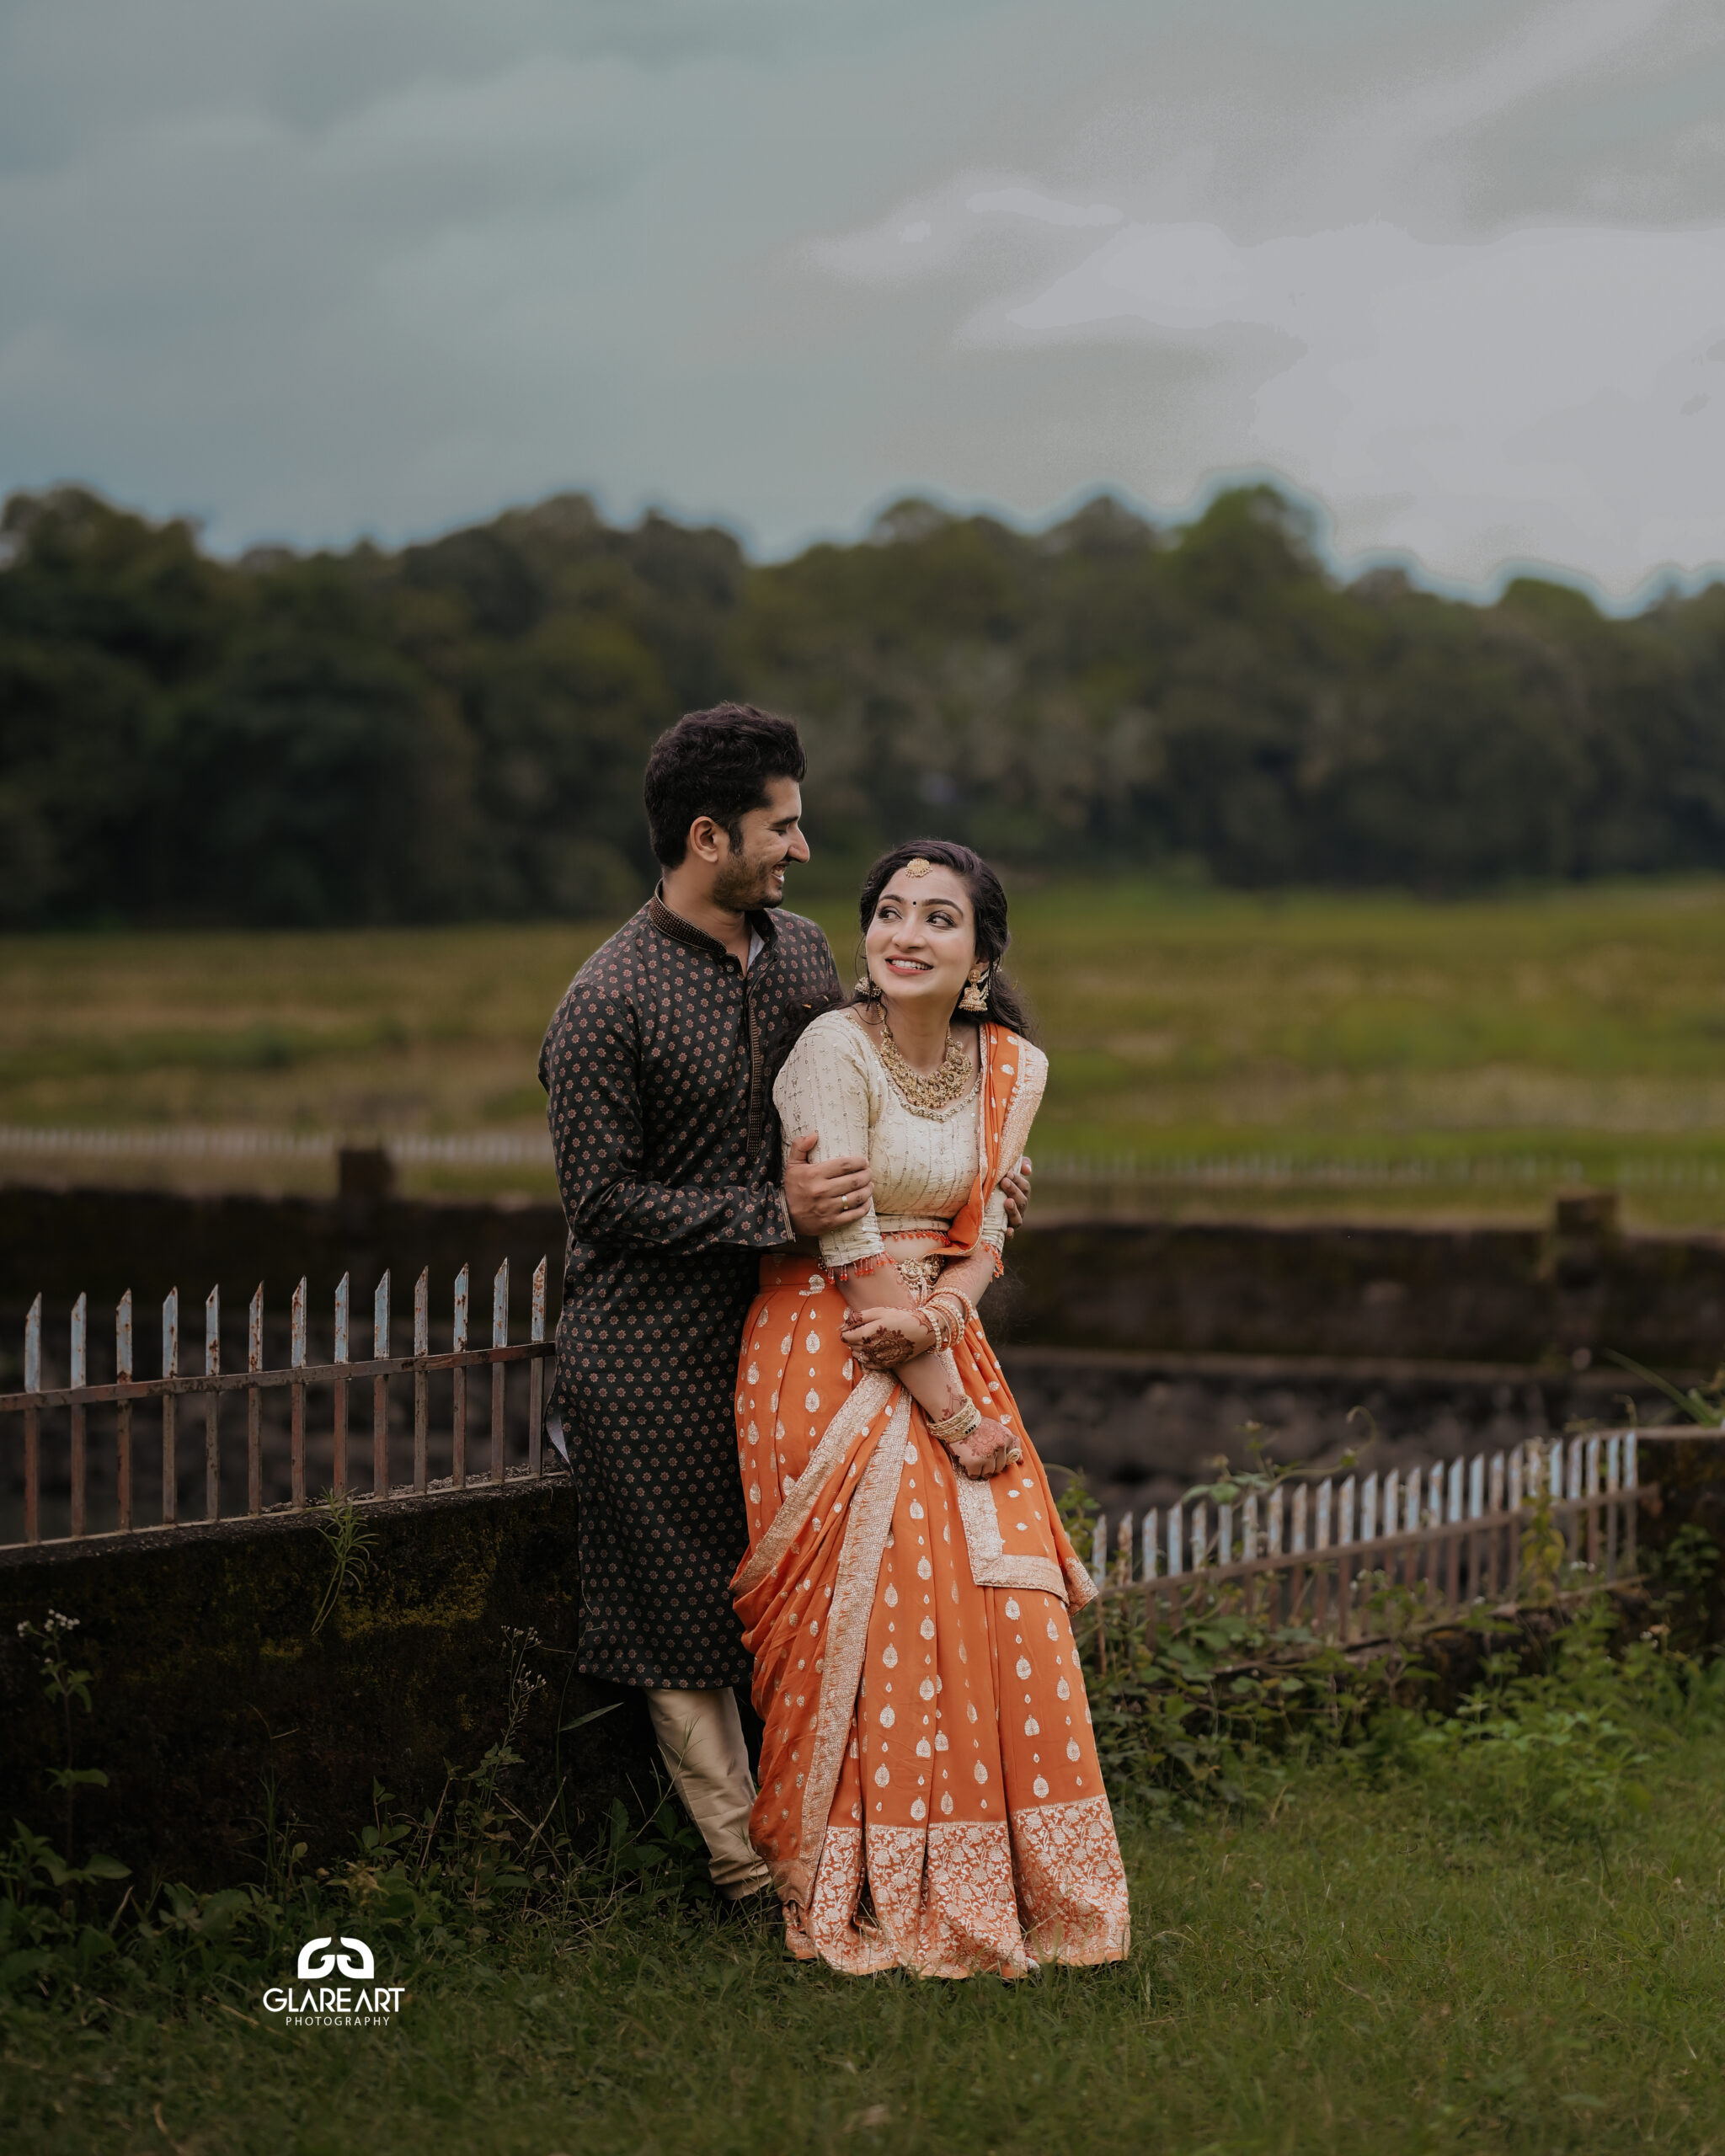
point(700, 1741)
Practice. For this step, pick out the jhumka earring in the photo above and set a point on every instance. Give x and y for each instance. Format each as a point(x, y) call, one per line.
point(976, 995)
point(866, 991)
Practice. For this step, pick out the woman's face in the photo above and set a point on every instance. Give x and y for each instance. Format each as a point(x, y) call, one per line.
point(922, 940)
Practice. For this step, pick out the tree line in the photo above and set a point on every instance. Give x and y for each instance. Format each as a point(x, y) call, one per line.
point(458, 729)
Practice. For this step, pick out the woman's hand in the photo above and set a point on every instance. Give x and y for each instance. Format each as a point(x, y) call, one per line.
point(987, 1451)
point(883, 1338)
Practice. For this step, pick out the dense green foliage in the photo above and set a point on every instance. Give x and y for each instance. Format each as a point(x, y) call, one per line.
point(458, 729)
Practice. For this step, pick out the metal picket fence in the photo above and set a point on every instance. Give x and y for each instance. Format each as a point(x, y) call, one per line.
point(1321, 1554)
point(54, 1421)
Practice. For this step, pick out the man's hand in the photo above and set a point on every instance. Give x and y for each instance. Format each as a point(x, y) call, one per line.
point(1015, 1188)
point(827, 1194)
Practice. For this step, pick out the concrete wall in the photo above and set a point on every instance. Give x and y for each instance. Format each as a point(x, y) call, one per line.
point(209, 1682)
point(1143, 1427)
point(1520, 1296)
point(209, 1685)
point(1508, 1296)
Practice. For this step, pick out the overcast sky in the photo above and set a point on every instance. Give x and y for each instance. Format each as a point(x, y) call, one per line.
point(1456, 268)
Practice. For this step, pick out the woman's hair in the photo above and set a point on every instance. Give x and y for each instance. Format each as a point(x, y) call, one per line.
point(988, 901)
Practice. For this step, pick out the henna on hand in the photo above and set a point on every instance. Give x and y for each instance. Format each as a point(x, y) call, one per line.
point(885, 1338)
point(986, 1452)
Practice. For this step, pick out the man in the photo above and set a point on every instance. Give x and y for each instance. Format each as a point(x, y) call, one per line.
point(659, 1064)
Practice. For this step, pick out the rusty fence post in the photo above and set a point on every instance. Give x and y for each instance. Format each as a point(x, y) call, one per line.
point(337, 1473)
point(536, 1381)
point(170, 1417)
point(500, 1338)
point(212, 1401)
point(421, 1382)
point(79, 1376)
point(33, 1425)
point(297, 1401)
point(380, 1390)
point(122, 1413)
point(458, 1404)
point(255, 1405)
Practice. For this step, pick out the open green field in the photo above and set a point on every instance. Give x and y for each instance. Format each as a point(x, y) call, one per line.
point(1378, 1051)
point(1339, 1973)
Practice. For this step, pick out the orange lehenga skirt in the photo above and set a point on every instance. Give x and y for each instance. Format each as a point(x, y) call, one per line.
point(930, 1797)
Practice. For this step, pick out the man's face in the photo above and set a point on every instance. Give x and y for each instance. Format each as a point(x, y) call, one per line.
point(752, 875)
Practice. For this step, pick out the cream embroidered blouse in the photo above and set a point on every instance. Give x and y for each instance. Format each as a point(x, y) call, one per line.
point(923, 1166)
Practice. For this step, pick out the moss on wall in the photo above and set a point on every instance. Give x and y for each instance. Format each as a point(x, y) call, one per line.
point(211, 1686)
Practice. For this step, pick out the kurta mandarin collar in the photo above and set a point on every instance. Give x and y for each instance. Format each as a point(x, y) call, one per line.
point(684, 932)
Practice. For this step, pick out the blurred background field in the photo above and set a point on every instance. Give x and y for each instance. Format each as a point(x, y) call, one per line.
point(1213, 1052)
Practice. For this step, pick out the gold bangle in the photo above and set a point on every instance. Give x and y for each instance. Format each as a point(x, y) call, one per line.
point(958, 1310)
point(962, 1420)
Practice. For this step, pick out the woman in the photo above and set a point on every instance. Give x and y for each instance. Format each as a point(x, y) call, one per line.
point(930, 1795)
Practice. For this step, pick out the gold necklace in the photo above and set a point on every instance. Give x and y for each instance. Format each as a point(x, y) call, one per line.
point(927, 1093)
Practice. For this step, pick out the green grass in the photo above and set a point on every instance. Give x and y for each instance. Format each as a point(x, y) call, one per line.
point(1340, 1973)
point(1586, 1026)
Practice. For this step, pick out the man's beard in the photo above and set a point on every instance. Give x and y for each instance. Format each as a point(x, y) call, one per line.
point(741, 887)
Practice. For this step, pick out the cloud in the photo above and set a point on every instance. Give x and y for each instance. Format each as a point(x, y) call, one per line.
point(1026, 202)
point(1544, 394)
point(364, 265)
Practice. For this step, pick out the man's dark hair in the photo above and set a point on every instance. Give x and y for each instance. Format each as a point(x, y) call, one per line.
point(716, 763)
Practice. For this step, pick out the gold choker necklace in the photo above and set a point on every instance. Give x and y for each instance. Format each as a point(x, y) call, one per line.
point(927, 1092)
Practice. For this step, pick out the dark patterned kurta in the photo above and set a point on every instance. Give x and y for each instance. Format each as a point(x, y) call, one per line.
point(659, 1064)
